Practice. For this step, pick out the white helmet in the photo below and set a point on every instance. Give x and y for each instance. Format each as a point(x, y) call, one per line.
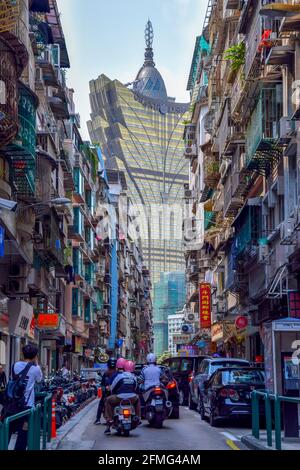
point(151, 359)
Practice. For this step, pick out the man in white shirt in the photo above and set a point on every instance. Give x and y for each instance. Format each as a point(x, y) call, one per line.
point(34, 375)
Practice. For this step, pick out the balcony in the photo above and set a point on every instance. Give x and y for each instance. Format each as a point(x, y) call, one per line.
point(76, 231)
point(8, 95)
point(21, 152)
point(232, 203)
point(211, 174)
point(49, 244)
point(248, 227)
point(46, 62)
point(78, 263)
point(253, 39)
point(14, 30)
point(263, 150)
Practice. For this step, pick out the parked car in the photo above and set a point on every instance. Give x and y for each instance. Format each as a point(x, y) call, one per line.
point(207, 367)
point(227, 394)
point(183, 370)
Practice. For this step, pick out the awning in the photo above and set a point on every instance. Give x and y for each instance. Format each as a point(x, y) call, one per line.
point(40, 6)
point(43, 154)
point(279, 10)
point(255, 201)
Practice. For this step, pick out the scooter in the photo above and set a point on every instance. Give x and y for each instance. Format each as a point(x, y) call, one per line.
point(125, 419)
point(158, 408)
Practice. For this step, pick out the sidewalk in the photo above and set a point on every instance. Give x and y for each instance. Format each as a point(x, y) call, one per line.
point(90, 410)
point(261, 444)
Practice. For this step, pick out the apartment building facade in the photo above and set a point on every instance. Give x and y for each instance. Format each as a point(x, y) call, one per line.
point(249, 189)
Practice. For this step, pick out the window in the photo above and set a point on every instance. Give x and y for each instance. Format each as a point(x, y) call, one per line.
point(203, 367)
point(217, 365)
point(281, 208)
point(186, 365)
point(174, 365)
point(242, 377)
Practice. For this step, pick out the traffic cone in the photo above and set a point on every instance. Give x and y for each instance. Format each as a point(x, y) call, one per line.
point(53, 421)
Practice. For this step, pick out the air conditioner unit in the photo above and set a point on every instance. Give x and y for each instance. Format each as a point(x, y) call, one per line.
point(191, 317)
point(56, 55)
point(191, 151)
point(38, 231)
point(187, 328)
point(188, 194)
point(206, 263)
point(16, 286)
point(224, 168)
point(39, 75)
point(287, 228)
point(17, 271)
point(286, 127)
point(263, 252)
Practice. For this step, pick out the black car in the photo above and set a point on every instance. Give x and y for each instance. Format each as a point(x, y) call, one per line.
point(183, 370)
point(207, 367)
point(227, 394)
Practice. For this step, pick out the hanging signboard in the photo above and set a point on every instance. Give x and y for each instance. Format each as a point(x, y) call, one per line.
point(205, 305)
point(47, 321)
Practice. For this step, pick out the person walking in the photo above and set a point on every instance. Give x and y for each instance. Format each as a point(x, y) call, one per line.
point(105, 383)
point(3, 381)
point(26, 374)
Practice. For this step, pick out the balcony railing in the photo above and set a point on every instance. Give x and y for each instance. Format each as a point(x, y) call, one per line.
point(22, 150)
point(262, 148)
point(14, 28)
point(8, 95)
point(252, 42)
point(248, 229)
point(50, 249)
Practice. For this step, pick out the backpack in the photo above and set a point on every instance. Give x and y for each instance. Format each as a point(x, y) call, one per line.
point(15, 392)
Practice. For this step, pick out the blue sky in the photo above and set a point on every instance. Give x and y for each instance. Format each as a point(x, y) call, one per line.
point(107, 36)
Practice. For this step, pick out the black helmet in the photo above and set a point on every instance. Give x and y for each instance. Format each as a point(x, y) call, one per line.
point(111, 363)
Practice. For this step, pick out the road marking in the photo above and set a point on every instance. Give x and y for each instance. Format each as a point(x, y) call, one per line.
point(232, 445)
point(230, 436)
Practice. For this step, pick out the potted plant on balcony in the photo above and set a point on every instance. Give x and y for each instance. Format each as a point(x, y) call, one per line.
point(237, 55)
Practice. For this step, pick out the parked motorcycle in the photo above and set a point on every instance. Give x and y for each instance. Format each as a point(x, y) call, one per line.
point(125, 419)
point(157, 407)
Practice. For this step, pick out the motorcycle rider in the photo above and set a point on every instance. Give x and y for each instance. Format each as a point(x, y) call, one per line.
point(123, 387)
point(105, 383)
point(151, 376)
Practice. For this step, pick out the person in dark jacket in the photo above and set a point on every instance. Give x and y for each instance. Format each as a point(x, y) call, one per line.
point(3, 380)
point(105, 383)
point(123, 387)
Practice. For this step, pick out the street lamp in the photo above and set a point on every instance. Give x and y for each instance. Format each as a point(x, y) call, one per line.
point(8, 205)
point(59, 201)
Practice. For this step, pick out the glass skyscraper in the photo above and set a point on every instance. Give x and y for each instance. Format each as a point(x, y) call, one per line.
point(140, 130)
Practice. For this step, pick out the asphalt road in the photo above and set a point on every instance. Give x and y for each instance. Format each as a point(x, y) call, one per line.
point(187, 433)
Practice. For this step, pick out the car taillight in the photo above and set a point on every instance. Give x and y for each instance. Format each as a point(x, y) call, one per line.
point(157, 390)
point(190, 379)
point(223, 393)
point(126, 413)
point(233, 394)
point(171, 385)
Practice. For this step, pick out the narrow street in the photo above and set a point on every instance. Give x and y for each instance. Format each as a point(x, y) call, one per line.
point(187, 433)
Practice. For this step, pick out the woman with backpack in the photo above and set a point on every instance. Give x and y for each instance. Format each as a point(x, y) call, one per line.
point(19, 393)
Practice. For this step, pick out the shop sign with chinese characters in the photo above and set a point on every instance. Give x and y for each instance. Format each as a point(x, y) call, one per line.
point(205, 305)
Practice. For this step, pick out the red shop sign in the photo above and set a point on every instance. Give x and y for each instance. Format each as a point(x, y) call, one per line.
point(48, 321)
point(205, 305)
point(241, 323)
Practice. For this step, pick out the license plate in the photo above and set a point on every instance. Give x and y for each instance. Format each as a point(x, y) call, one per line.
point(159, 402)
